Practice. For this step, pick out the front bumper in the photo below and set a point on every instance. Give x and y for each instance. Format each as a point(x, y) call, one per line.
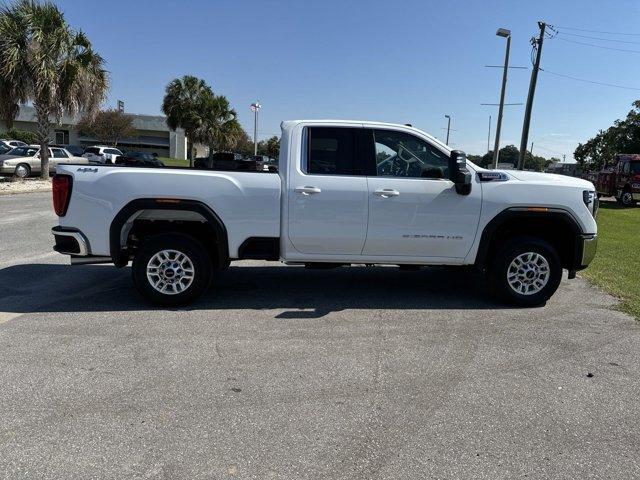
point(589, 247)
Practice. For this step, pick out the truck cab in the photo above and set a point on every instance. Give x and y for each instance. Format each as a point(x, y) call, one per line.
point(346, 192)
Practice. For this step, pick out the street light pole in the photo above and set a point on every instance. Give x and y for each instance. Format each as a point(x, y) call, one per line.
point(255, 107)
point(502, 32)
point(448, 127)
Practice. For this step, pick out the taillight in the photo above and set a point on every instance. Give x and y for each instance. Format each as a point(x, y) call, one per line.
point(61, 193)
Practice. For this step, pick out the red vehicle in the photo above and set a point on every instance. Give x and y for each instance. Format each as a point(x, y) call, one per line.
point(620, 179)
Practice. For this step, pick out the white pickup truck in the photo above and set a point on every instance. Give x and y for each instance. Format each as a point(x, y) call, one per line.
point(347, 192)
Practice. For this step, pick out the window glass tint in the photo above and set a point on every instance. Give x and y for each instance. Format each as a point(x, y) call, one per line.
point(59, 153)
point(23, 151)
point(92, 150)
point(332, 151)
point(400, 154)
point(112, 151)
point(635, 167)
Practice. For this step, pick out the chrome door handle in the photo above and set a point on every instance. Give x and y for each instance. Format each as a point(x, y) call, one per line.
point(307, 190)
point(387, 192)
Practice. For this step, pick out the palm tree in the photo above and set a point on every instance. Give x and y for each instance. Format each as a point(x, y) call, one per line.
point(220, 129)
point(46, 62)
point(182, 106)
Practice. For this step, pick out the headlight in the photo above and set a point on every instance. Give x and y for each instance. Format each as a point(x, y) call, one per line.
point(590, 199)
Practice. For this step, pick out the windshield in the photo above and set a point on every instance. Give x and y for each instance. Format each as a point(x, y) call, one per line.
point(23, 151)
point(635, 167)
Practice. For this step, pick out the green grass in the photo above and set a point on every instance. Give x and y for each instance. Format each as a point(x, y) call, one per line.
point(616, 267)
point(174, 162)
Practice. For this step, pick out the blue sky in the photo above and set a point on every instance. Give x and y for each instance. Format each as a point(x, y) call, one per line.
point(397, 61)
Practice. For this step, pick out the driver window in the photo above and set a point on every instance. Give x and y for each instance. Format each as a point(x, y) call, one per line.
point(400, 154)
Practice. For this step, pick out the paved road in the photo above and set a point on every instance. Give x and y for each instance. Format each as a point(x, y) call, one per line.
point(291, 374)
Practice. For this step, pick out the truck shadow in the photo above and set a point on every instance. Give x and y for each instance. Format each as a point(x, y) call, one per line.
point(300, 292)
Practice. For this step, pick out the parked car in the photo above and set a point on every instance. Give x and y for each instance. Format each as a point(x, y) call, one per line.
point(227, 161)
point(24, 161)
point(138, 159)
point(13, 143)
point(101, 154)
point(346, 193)
point(4, 148)
point(620, 179)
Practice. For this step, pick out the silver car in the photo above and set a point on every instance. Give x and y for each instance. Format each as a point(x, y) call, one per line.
point(24, 161)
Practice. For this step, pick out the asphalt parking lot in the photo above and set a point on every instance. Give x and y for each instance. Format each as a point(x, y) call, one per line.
point(281, 372)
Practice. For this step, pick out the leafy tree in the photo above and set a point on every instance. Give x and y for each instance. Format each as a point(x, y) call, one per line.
point(219, 127)
point(273, 147)
point(25, 136)
point(108, 126)
point(183, 106)
point(48, 63)
point(622, 137)
point(509, 154)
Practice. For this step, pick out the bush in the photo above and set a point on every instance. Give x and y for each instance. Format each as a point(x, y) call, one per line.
point(23, 135)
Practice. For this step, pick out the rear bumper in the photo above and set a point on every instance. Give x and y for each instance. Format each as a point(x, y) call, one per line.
point(589, 248)
point(70, 241)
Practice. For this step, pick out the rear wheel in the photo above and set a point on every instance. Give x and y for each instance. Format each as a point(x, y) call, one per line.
point(171, 269)
point(22, 170)
point(626, 198)
point(526, 271)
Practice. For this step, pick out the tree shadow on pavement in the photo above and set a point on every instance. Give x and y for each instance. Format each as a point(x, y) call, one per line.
point(302, 293)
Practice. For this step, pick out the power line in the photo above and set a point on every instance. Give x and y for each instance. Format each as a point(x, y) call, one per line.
point(598, 46)
point(590, 81)
point(597, 31)
point(599, 38)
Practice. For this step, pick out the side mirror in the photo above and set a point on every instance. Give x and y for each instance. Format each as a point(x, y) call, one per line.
point(458, 172)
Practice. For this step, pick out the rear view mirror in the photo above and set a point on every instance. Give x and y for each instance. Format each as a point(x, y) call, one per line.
point(458, 172)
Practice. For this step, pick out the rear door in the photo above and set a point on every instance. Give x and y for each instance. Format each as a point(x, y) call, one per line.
point(414, 210)
point(327, 192)
point(58, 156)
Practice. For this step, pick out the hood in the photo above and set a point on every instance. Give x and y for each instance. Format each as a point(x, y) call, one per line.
point(8, 157)
point(549, 178)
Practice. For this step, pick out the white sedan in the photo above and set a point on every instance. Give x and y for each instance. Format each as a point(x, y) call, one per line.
point(24, 161)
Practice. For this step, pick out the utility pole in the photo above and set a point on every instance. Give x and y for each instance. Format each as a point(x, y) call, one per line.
point(489, 136)
point(502, 32)
point(255, 107)
point(532, 90)
point(448, 117)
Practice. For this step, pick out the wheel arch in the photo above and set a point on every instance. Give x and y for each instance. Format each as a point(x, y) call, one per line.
point(555, 225)
point(186, 210)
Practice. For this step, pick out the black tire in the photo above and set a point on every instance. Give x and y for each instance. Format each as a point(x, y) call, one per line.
point(626, 199)
point(178, 290)
point(501, 265)
point(22, 170)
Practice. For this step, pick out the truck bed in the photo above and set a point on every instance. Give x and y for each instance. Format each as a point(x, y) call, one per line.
point(248, 203)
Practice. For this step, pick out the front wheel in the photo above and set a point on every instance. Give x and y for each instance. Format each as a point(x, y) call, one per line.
point(526, 271)
point(171, 269)
point(22, 170)
point(626, 199)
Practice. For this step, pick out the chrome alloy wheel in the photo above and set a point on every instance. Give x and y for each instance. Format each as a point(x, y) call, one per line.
point(627, 198)
point(170, 272)
point(528, 273)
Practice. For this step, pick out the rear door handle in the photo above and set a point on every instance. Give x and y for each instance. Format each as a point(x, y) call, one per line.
point(307, 190)
point(387, 192)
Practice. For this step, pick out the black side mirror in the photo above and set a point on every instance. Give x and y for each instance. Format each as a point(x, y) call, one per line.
point(458, 172)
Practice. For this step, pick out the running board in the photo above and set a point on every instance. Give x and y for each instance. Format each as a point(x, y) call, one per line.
point(89, 260)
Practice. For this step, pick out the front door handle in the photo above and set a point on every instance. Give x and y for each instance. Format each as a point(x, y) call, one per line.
point(387, 192)
point(307, 190)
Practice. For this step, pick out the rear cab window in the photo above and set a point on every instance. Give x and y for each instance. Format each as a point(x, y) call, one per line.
point(335, 151)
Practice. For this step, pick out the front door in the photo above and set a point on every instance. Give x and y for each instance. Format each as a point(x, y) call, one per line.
point(327, 195)
point(414, 210)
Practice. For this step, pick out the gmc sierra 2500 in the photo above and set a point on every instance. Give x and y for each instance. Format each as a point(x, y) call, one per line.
point(347, 192)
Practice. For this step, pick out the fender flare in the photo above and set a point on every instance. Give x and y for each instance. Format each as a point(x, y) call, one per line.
point(526, 213)
point(121, 257)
